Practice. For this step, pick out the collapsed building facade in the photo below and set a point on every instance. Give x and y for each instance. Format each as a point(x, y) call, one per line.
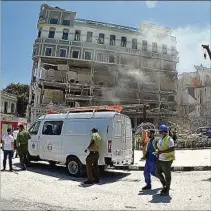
point(79, 62)
point(194, 96)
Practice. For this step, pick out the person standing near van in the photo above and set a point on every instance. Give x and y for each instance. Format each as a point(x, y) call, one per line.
point(93, 157)
point(22, 145)
point(151, 160)
point(166, 156)
point(8, 148)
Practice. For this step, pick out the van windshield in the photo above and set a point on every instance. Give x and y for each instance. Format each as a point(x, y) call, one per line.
point(33, 130)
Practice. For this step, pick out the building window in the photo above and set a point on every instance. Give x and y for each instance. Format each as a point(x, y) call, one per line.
point(51, 33)
point(65, 34)
point(63, 52)
point(75, 54)
point(5, 107)
point(123, 41)
point(134, 43)
point(88, 55)
point(164, 49)
point(111, 59)
point(66, 22)
point(77, 35)
point(101, 38)
point(48, 51)
point(89, 37)
point(52, 128)
point(39, 34)
point(35, 52)
point(100, 57)
point(145, 63)
point(12, 108)
point(112, 39)
point(154, 47)
point(53, 21)
point(173, 51)
point(144, 45)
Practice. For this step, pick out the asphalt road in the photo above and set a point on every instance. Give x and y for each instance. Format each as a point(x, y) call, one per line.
point(46, 188)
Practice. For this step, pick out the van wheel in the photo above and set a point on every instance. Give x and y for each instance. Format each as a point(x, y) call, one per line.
point(74, 167)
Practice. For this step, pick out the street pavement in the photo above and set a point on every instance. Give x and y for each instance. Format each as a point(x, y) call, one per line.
point(184, 158)
point(45, 188)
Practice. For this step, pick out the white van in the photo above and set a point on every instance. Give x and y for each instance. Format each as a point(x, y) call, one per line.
point(62, 138)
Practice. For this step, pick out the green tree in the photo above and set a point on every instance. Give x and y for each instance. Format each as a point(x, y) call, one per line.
point(22, 93)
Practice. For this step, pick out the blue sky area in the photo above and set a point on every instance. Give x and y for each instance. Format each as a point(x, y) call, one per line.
point(19, 19)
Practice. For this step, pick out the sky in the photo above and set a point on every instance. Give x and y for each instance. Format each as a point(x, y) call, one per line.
point(189, 20)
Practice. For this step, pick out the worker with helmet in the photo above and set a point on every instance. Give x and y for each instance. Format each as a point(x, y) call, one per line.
point(151, 159)
point(166, 156)
point(93, 157)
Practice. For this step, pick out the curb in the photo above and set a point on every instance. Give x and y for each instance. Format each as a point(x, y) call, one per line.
point(176, 168)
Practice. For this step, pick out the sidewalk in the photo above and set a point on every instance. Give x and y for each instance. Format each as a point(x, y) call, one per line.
point(185, 160)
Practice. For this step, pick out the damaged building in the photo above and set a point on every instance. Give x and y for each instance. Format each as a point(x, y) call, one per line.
point(194, 96)
point(79, 62)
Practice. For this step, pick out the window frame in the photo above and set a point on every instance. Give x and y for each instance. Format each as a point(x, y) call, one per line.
point(51, 30)
point(51, 50)
point(123, 43)
point(136, 43)
point(54, 19)
point(144, 46)
point(90, 55)
point(99, 39)
point(114, 40)
point(50, 121)
point(154, 45)
point(65, 24)
point(65, 52)
point(34, 132)
point(78, 54)
point(75, 37)
point(101, 55)
point(164, 47)
point(87, 40)
point(65, 31)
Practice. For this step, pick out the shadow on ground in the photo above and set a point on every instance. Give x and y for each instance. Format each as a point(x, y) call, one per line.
point(60, 172)
point(149, 192)
point(157, 198)
point(207, 180)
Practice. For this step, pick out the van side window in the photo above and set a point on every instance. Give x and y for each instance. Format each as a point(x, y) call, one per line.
point(52, 128)
point(34, 128)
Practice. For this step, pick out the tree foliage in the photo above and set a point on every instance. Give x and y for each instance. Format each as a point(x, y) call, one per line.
point(22, 93)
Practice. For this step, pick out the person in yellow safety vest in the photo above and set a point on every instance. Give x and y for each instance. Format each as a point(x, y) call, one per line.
point(166, 156)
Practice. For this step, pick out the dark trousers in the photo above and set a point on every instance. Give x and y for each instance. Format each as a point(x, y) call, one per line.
point(149, 170)
point(92, 166)
point(22, 152)
point(163, 172)
point(8, 153)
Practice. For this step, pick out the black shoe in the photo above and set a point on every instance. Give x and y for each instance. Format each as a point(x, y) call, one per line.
point(3, 169)
point(88, 182)
point(147, 187)
point(164, 192)
point(96, 181)
point(11, 169)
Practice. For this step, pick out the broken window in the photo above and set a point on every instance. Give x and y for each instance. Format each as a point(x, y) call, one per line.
point(112, 39)
point(154, 47)
point(77, 35)
point(164, 49)
point(39, 33)
point(66, 22)
point(89, 37)
point(65, 34)
point(53, 21)
point(134, 43)
point(123, 41)
point(111, 59)
point(100, 57)
point(144, 45)
point(63, 52)
point(48, 51)
point(51, 33)
point(75, 54)
point(101, 38)
point(88, 55)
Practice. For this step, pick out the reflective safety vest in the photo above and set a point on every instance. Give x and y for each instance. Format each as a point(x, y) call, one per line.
point(169, 155)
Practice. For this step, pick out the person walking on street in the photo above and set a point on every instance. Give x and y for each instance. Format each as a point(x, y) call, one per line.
point(166, 156)
point(15, 134)
point(92, 159)
point(8, 148)
point(22, 146)
point(151, 159)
